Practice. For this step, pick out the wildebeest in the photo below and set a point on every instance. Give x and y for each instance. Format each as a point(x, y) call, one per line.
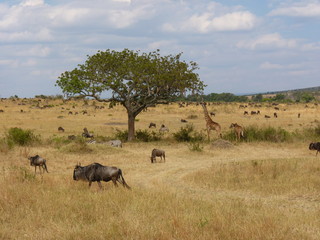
point(212, 114)
point(315, 146)
point(157, 153)
point(275, 115)
point(152, 125)
point(60, 129)
point(299, 115)
point(184, 121)
point(96, 172)
point(266, 116)
point(245, 113)
point(86, 133)
point(38, 161)
point(115, 143)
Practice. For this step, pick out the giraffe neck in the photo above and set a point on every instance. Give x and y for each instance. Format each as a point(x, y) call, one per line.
point(206, 114)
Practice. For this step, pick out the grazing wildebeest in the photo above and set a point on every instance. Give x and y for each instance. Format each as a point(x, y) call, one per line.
point(266, 116)
point(238, 130)
point(245, 113)
point(253, 112)
point(60, 129)
point(86, 133)
point(184, 121)
point(163, 129)
point(115, 143)
point(38, 161)
point(157, 153)
point(152, 125)
point(1, 110)
point(70, 113)
point(276, 108)
point(315, 146)
point(275, 115)
point(212, 114)
point(96, 172)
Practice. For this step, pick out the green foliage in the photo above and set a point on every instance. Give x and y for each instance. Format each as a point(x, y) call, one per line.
point(121, 135)
point(188, 134)
point(58, 141)
point(136, 80)
point(147, 136)
point(268, 134)
point(215, 97)
point(140, 135)
point(21, 137)
point(195, 146)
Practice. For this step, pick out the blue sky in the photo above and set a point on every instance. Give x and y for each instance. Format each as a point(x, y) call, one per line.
point(241, 46)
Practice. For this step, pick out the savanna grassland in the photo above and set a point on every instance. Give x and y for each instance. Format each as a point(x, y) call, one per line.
point(250, 190)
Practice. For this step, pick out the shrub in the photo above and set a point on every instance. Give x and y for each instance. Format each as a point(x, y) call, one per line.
point(146, 136)
point(188, 134)
point(268, 134)
point(20, 137)
point(121, 135)
point(195, 146)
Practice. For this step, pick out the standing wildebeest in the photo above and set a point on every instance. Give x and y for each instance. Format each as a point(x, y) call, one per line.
point(238, 130)
point(60, 129)
point(38, 161)
point(96, 172)
point(152, 125)
point(183, 120)
point(315, 146)
point(275, 115)
point(157, 153)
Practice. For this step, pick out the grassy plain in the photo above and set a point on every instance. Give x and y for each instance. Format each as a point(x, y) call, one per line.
point(257, 190)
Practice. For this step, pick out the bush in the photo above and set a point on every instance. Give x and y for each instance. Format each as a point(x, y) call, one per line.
point(20, 137)
point(121, 135)
point(188, 134)
point(268, 134)
point(195, 147)
point(146, 136)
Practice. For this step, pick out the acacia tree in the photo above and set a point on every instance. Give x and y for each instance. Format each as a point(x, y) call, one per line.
point(133, 79)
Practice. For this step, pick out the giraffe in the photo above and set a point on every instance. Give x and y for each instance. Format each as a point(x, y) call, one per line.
point(211, 125)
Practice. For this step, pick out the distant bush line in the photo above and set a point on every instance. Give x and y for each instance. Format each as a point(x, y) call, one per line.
point(187, 134)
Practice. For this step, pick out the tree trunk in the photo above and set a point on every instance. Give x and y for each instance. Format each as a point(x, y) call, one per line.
point(131, 129)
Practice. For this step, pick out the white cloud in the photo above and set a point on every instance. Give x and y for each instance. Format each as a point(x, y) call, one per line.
point(208, 22)
point(37, 36)
point(32, 3)
point(298, 10)
point(268, 41)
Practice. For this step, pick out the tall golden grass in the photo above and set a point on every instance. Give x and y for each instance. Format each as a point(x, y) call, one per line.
point(258, 190)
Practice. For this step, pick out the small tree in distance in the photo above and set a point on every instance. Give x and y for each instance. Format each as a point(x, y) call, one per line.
point(135, 80)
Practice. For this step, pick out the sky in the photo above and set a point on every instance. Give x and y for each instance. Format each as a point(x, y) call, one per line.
point(241, 46)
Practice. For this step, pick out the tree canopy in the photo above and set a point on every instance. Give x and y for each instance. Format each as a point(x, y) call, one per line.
point(135, 80)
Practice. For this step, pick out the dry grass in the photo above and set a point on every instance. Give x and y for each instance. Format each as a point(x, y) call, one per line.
point(249, 191)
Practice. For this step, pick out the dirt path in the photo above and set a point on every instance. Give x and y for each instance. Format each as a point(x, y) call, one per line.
point(172, 174)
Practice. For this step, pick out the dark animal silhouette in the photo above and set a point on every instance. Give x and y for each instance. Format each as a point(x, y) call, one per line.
point(245, 113)
point(152, 125)
point(96, 172)
point(315, 146)
point(163, 129)
point(157, 153)
point(38, 161)
point(275, 115)
point(86, 133)
point(60, 129)
point(266, 116)
point(184, 121)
